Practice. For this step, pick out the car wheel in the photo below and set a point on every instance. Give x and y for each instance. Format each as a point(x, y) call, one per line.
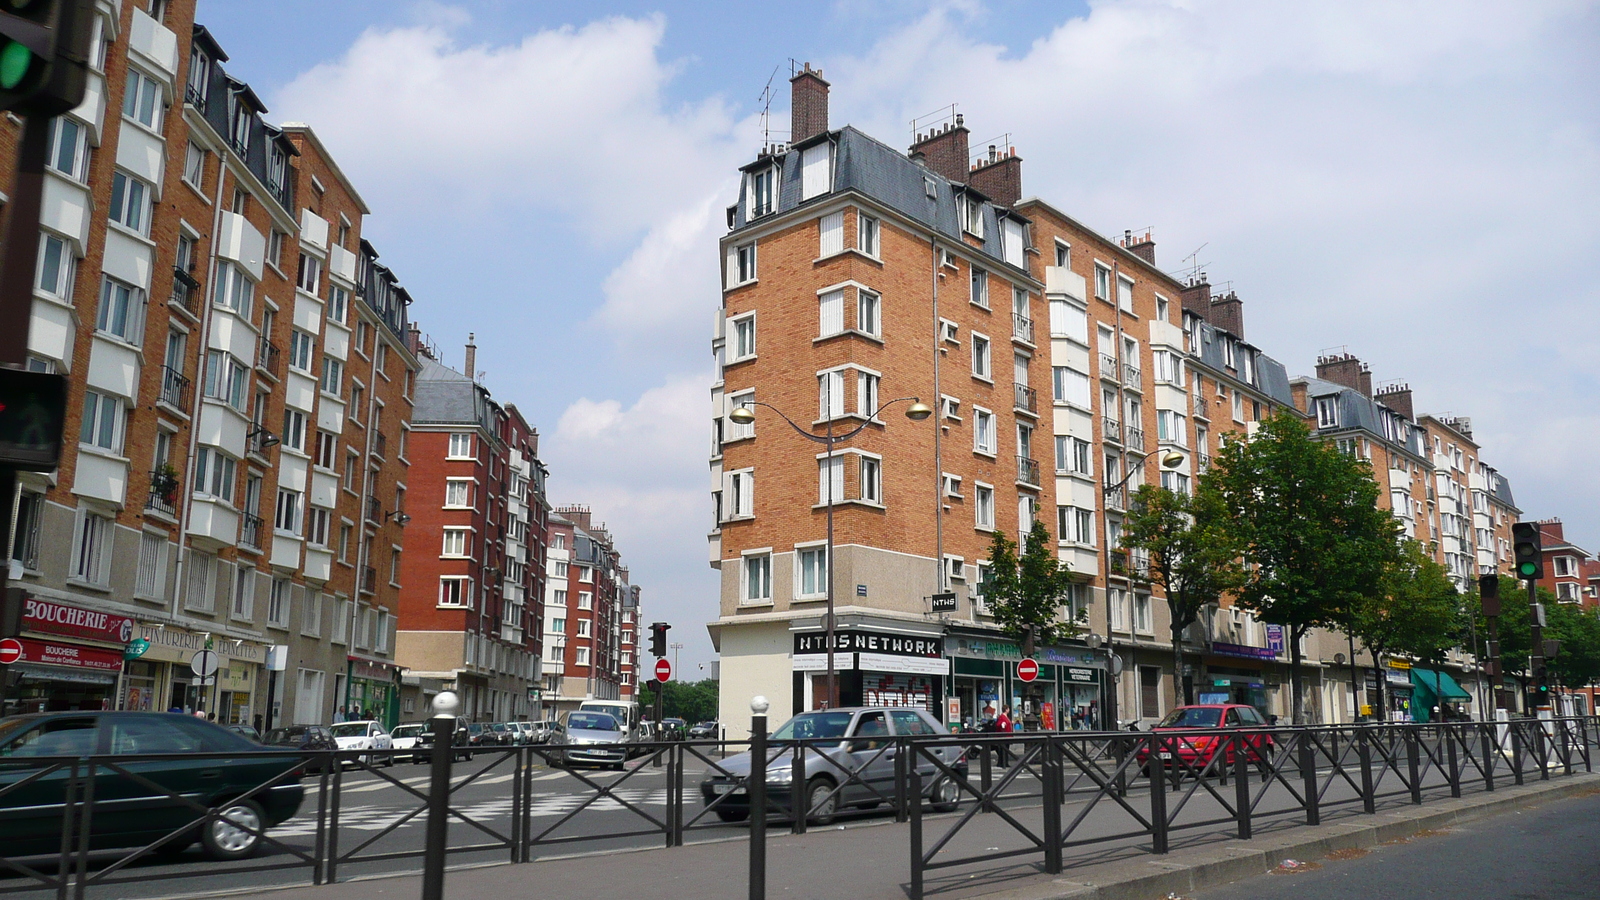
point(235, 830)
point(732, 815)
point(821, 803)
point(944, 796)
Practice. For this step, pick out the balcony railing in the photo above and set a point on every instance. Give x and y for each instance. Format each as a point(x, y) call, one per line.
point(163, 497)
point(369, 580)
point(1131, 376)
point(1109, 367)
point(185, 291)
point(269, 358)
point(174, 389)
point(195, 98)
point(1117, 498)
point(380, 446)
point(1026, 398)
point(1028, 471)
point(250, 530)
point(1135, 439)
point(1202, 461)
point(374, 510)
point(1022, 328)
point(1112, 429)
point(1197, 404)
point(1119, 562)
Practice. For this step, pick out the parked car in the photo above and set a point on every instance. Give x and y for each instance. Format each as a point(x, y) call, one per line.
point(703, 731)
point(128, 811)
point(1196, 751)
point(302, 737)
point(421, 752)
point(481, 736)
point(404, 738)
point(366, 735)
point(540, 731)
point(852, 739)
point(591, 738)
point(245, 731)
point(505, 732)
point(526, 731)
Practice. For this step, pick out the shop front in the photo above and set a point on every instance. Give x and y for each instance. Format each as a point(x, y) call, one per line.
point(373, 691)
point(1397, 690)
point(875, 666)
point(1238, 673)
point(160, 675)
point(70, 658)
point(1064, 696)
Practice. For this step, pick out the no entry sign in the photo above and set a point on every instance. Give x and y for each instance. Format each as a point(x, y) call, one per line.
point(10, 651)
point(1028, 669)
point(663, 670)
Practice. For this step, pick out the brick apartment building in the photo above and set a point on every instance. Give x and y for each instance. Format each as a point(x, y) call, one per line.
point(591, 613)
point(238, 390)
point(470, 617)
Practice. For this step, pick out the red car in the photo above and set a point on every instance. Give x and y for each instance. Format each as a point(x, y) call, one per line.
point(1197, 751)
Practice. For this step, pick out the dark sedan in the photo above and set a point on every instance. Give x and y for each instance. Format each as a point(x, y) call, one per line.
point(141, 804)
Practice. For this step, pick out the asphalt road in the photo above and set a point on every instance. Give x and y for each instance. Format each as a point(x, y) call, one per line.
point(1542, 853)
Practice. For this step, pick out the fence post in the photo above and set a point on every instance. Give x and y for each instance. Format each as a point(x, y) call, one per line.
point(335, 794)
point(757, 790)
point(1516, 752)
point(1414, 764)
point(916, 836)
point(319, 851)
point(672, 779)
point(1051, 770)
point(68, 831)
point(901, 797)
point(1241, 784)
point(1158, 794)
point(1566, 745)
point(445, 704)
point(86, 829)
point(1540, 754)
point(799, 803)
point(527, 803)
point(1489, 758)
point(1450, 755)
point(1369, 800)
point(1308, 777)
point(985, 775)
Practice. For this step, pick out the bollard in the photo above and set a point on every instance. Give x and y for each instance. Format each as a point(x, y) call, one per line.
point(756, 788)
point(1414, 765)
point(1241, 785)
point(799, 803)
point(1308, 776)
point(1369, 799)
point(901, 813)
point(985, 777)
point(1051, 769)
point(1516, 753)
point(433, 854)
point(1488, 760)
point(1158, 796)
point(1450, 755)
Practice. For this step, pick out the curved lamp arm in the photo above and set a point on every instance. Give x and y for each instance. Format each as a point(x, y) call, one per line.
point(916, 412)
point(1172, 460)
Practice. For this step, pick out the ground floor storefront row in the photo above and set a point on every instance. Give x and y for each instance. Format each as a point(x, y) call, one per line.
point(964, 674)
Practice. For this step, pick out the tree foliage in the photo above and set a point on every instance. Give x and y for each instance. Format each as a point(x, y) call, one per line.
point(1578, 661)
point(1306, 519)
point(1191, 554)
point(691, 701)
point(1416, 612)
point(1028, 591)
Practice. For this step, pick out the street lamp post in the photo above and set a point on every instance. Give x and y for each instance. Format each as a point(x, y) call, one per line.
point(744, 415)
point(1172, 460)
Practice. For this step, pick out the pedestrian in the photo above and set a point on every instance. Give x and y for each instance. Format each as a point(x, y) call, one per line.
point(338, 715)
point(1003, 725)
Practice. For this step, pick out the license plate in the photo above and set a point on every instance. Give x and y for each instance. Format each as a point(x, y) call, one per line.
point(721, 788)
point(1166, 754)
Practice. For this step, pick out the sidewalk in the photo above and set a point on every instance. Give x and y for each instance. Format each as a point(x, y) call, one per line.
point(871, 861)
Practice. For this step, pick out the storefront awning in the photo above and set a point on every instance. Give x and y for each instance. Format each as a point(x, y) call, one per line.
point(1439, 684)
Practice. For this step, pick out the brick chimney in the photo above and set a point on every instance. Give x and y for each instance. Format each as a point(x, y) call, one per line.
point(1144, 248)
point(1342, 368)
point(1197, 298)
point(1000, 176)
point(944, 151)
point(472, 357)
point(808, 105)
point(1227, 313)
point(1398, 398)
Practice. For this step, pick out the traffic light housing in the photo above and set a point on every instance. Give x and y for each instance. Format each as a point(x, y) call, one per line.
point(1527, 549)
point(44, 55)
point(658, 638)
point(1489, 594)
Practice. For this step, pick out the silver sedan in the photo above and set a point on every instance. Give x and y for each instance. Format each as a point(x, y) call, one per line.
point(588, 738)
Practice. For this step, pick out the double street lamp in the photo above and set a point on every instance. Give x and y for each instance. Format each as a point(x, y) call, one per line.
point(744, 415)
point(1171, 460)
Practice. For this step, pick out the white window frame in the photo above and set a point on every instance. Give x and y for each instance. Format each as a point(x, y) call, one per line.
point(460, 446)
point(983, 506)
point(982, 357)
point(752, 594)
point(817, 554)
point(983, 421)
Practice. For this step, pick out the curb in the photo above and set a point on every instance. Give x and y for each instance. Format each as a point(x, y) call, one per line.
point(1213, 865)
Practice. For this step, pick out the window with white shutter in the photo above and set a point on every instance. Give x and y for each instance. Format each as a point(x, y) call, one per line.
point(832, 313)
point(832, 234)
point(816, 175)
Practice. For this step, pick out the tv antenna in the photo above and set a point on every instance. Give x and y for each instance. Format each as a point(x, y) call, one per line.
point(1193, 259)
point(766, 107)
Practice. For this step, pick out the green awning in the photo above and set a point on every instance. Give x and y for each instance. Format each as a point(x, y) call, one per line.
point(1440, 684)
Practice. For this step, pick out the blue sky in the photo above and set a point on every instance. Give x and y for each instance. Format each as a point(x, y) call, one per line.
point(1413, 182)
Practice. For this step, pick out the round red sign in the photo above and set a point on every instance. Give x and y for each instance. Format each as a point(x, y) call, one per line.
point(663, 670)
point(1028, 669)
point(10, 651)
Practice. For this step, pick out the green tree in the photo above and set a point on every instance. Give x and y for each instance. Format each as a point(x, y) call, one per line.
point(1026, 593)
point(1577, 663)
point(1192, 558)
point(1416, 611)
point(1306, 518)
point(691, 701)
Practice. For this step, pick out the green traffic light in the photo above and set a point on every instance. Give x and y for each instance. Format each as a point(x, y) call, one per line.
point(14, 62)
point(1526, 569)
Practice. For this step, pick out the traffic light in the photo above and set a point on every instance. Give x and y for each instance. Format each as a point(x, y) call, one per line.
point(1489, 594)
point(658, 638)
point(32, 406)
point(44, 55)
point(1527, 549)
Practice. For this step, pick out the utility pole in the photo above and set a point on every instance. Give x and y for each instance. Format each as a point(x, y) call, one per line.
point(675, 648)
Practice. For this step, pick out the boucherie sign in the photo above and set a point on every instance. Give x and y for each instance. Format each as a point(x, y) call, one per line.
point(46, 617)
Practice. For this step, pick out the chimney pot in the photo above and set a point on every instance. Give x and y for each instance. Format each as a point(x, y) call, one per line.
point(944, 150)
point(472, 356)
point(808, 112)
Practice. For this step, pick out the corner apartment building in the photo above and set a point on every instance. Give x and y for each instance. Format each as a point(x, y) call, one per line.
point(198, 283)
point(470, 623)
point(585, 606)
point(1567, 567)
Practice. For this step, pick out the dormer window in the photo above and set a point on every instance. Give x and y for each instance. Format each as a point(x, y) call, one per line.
point(763, 192)
point(972, 216)
point(1327, 412)
point(239, 131)
point(277, 163)
point(199, 77)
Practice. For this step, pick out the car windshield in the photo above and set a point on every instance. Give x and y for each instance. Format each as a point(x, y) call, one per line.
point(1192, 717)
point(822, 724)
point(592, 722)
point(286, 736)
point(350, 729)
